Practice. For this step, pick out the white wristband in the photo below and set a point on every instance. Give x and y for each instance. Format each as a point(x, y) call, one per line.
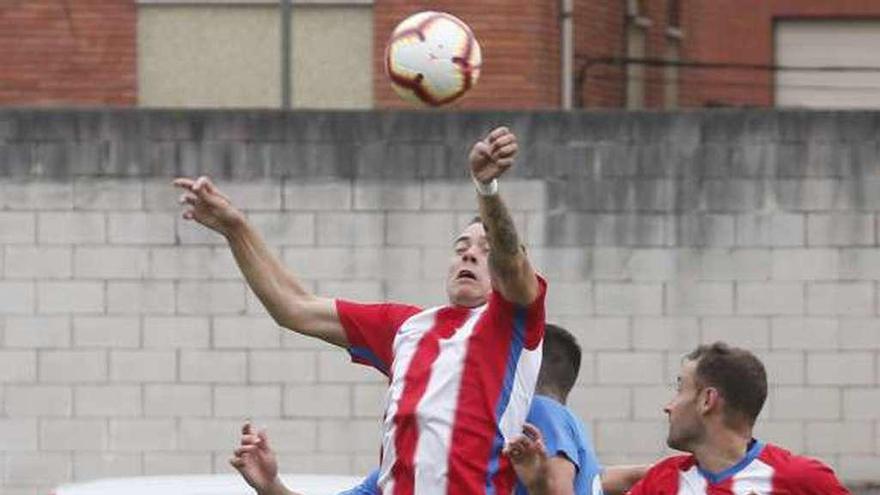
point(486, 188)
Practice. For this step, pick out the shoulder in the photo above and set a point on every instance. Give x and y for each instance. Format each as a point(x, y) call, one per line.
point(800, 471)
point(664, 475)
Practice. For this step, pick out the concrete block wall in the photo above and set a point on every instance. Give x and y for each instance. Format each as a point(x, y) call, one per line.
point(130, 345)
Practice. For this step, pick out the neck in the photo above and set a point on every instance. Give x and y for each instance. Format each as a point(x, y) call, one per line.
point(722, 449)
point(552, 393)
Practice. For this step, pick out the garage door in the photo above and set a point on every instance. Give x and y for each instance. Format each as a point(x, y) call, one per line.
point(822, 44)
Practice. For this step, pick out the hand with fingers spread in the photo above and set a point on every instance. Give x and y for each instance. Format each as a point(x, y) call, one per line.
point(208, 205)
point(529, 459)
point(492, 156)
point(256, 462)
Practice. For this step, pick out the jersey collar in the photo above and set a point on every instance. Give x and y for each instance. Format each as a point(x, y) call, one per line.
point(755, 449)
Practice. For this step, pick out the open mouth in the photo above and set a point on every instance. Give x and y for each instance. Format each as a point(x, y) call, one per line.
point(466, 274)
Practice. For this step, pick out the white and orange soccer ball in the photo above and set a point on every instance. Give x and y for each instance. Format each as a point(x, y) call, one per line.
point(432, 58)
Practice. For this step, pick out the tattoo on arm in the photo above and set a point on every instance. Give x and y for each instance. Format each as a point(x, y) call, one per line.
point(505, 249)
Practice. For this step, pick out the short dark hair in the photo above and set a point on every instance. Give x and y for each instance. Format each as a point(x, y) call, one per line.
point(561, 361)
point(737, 374)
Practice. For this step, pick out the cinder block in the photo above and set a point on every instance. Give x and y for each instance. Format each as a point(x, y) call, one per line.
point(848, 437)
point(323, 263)
point(178, 463)
point(142, 366)
point(703, 298)
point(845, 298)
point(71, 228)
point(38, 195)
point(641, 437)
point(255, 195)
point(559, 264)
point(787, 433)
point(698, 229)
point(450, 195)
point(181, 262)
point(141, 228)
point(805, 403)
point(771, 230)
point(770, 299)
point(350, 229)
point(178, 400)
point(37, 331)
point(733, 195)
point(663, 333)
point(17, 228)
point(357, 290)
point(174, 332)
point(751, 333)
point(33, 469)
point(784, 368)
point(567, 298)
point(108, 194)
point(591, 403)
point(161, 195)
point(659, 265)
point(92, 466)
point(282, 366)
point(858, 468)
point(38, 261)
point(292, 435)
point(17, 297)
point(38, 400)
point(70, 297)
point(317, 195)
point(648, 402)
point(387, 195)
point(290, 229)
point(844, 368)
point(109, 263)
point(207, 434)
point(421, 229)
point(804, 333)
point(630, 368)
point(334, 367)
point(596, 333)
point(73, 434)
point(106, 331)
point(108, 400)
point(246, 332)
point(369, 400)
point(215, 298)
point(18, 435)
point(190, 232)
point(806, 264)
point(806, 194)
point(422, 293)
point(859, 264)
point(317, 401)
point(841, 229)
point(861, 403)
point(213, 366)
point(249, 401)
point(142, 435)
point(735, 264)
point(142, 297)
point(18, 366)
point(391, 264)
point(628, 299)
point(855, 334)
point(360, 436)
point(73, 366)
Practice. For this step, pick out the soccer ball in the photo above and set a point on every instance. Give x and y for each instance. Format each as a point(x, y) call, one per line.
point(432, 58)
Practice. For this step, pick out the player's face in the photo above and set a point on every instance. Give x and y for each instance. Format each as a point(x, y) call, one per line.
point(468, 282)
point(686, 428)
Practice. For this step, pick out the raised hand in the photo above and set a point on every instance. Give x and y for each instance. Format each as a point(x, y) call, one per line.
point(256, 461)
point(529, 458)
point(207, 205)
point(492, 156)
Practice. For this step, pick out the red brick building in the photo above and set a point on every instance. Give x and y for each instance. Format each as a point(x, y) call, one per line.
point(86, 52)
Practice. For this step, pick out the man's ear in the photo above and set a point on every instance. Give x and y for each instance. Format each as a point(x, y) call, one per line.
point(710, 400)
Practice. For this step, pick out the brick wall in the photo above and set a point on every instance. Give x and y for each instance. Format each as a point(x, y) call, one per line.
point(61, 52)
point(130, 345)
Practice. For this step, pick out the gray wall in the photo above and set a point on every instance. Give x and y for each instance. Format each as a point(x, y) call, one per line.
point(130, 344)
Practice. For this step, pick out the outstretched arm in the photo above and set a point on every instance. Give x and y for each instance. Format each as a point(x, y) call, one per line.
point(512, 273)
point(289, 303)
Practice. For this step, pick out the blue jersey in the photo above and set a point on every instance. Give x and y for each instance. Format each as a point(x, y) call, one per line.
point(564, 435)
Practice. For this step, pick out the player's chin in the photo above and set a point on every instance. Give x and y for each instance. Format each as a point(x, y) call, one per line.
point(465, 292)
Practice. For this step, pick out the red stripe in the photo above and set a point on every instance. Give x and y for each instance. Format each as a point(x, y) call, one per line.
point(416, 380)
point(475, 423)
point(723, 488)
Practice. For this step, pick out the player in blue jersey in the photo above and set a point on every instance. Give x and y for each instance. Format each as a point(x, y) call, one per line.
point(572, 469)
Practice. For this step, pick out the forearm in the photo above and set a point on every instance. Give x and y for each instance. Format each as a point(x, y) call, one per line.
point(507, 258)
point(277, 488)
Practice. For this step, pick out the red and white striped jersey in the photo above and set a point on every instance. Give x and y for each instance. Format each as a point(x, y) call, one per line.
point(765, 470)
point(461, 382)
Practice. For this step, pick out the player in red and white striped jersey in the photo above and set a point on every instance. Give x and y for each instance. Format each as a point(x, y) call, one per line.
point(461, 375)
point(720, 391)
